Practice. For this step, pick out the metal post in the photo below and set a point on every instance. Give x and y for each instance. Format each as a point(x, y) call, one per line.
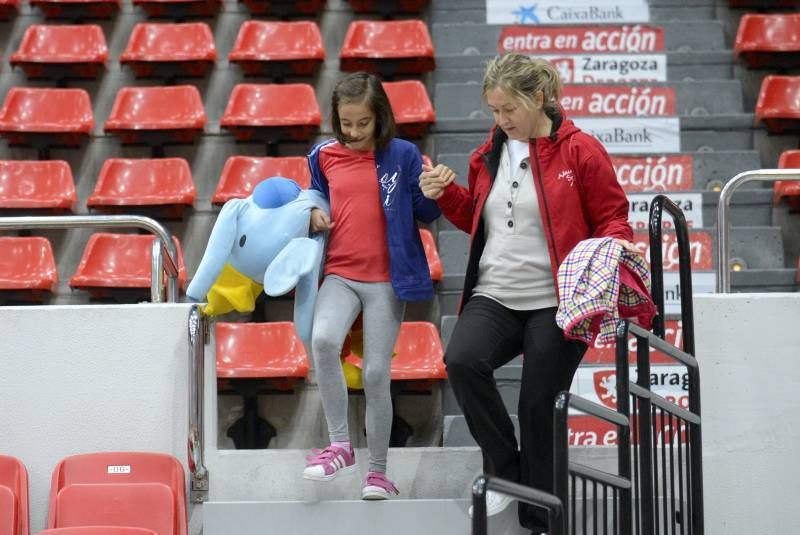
point(723, 220)
point(198, 471)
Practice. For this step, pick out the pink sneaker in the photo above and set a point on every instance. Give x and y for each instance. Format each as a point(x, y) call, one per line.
point(377, 487)
point(324, 465)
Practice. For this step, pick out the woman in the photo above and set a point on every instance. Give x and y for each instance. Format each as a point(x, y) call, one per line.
point(537, 187)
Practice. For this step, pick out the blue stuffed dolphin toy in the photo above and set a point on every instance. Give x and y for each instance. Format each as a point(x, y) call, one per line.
point(262, 242)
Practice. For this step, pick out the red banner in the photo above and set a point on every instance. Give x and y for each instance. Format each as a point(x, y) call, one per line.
point(601, 353)
point(654, 173)
point(700, 248)
point(585, 100)
point(581, 39)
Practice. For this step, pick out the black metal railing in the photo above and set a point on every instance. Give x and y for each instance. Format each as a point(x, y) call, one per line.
point(484, 483)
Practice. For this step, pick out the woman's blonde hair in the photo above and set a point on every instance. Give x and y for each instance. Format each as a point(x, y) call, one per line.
point(521, 77)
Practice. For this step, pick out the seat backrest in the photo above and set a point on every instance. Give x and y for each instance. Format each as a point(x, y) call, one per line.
point(27, 263)
point(260, 350)
point(68, 43)
point(260, 40)
point(272, 105)
point(789, 159)
point(777, 96)
point(46, 110)
point(410, 101)
point(143, 182)
point(241, 174)
point(120, 261)
point(147, 505)
point(36, 184)
point(419, 352)
point(121, 468)
point(8, 512)
point(143, 108)
point(170, 42)
point(387, 39)
point(14, 478)
point(773, 32)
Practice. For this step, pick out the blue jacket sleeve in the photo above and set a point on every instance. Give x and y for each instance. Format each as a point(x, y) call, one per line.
point(319, 181)
point(425, 210)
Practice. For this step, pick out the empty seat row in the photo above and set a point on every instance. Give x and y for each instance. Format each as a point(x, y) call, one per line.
point(275, 112)
point(262, 47)
point(110, 263)
point(122, 493)
point(202, 8)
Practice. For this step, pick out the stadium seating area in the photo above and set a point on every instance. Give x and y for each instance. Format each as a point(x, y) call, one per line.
point(169, 108)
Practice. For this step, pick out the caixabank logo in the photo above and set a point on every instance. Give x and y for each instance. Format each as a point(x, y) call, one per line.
point(559, 12)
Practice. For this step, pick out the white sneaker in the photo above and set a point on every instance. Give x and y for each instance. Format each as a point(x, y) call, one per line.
point(496, 503)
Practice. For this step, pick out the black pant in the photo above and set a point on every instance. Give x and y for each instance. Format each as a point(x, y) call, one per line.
point(487, 336)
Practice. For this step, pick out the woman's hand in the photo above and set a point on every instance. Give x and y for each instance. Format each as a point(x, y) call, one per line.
point(320, 220)
point(433, 180)
point(627, 245)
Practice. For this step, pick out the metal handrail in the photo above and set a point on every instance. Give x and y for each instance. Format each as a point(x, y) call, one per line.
point(723, 222)
point(483, 483)
point(160, 263)
point(198, 474)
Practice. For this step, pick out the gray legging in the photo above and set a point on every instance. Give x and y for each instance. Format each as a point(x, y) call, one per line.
point(338, 304)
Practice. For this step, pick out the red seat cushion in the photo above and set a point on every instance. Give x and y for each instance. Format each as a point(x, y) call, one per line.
point(411, 105)
point(768, 40)
point(174, 108)
point(36, 184)
point(119, 261)
point(43, 48)
point(263, 350)
point(404, 45)
point(776, 104)
point(188, 47)
point(241, 174)
point(34, 110)
point(27, 263)
point(127, 182)
point(788, 190)
point(271, 42)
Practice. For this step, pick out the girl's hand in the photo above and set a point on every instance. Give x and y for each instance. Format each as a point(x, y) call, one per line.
point(320, 220)
point(433, 180)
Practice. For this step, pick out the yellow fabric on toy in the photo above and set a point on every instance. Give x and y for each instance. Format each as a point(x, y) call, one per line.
point(232, 291)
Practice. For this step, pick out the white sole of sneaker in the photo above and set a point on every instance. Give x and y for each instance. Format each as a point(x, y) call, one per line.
point(497, 510)
point(342, 471)
point(374, 495)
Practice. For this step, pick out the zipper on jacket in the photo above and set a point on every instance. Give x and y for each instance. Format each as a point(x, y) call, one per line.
point(550, 235)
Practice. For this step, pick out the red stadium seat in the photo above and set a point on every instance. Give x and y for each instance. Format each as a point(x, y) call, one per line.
point(777, 103)
point(432, 254)
point(285, 8)
point(106, 470)
point(769, 41)
point(36, 185)
point(788, 190)
point(123, 184)
point(179, 9)
point(241, 174)
point(412, 108)
point(8, 8)
point(168, 50)
point(153, 113)
point(250, 355)
point(272, 112)
point(260, 350)
point(119, 261)
point(68, 51)
point(27, 268)
point(419, 355)
point(277, 49)
point(387, 47)
point(61, 116)
point(98, 530)
point(13, 496)
point(147, 505)
point(388, 7)
point(78, 9)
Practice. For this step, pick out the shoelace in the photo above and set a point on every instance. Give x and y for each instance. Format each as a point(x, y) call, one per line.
point(382, 482)
point(321, 456)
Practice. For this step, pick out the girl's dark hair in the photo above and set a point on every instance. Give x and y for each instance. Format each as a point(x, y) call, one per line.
point(363, 87)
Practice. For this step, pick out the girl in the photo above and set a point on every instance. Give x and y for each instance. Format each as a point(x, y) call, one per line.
point(374, 264)
point(537, 187)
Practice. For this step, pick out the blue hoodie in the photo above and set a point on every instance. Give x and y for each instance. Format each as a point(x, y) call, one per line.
point(397, 172)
